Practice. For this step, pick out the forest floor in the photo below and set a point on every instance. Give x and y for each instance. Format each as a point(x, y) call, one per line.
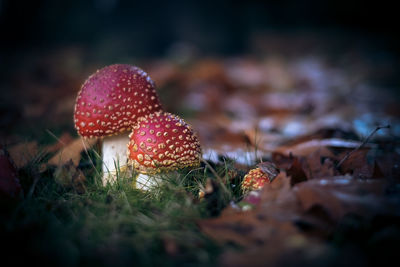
point(335, 201)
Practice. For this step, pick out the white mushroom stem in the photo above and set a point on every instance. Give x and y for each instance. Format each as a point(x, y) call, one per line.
point(145, 182)
point(114, 156)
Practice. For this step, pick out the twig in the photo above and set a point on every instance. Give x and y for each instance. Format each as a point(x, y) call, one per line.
point(361, 145)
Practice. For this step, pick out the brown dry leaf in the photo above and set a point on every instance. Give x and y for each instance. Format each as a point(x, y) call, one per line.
point(301, 169)
point(72, 152)
point(270, 169)
point(23, 153)
point(296, 171)
point(268, 233)
point(246, 228)
point(277, 189)
point(323, 145)
point(64, 140)
point(282, 161)
point(388, 164)
point(356, 164)
point(341, 195)
point(324, 133)
point(318, 166)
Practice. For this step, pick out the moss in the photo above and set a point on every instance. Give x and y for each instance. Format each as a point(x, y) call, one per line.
point(114, 225)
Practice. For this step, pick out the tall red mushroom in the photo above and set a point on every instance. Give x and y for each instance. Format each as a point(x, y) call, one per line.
point(161, 142)
point(109, 102)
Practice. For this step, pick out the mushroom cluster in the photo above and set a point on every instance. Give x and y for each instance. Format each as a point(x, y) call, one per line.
point(121, 98)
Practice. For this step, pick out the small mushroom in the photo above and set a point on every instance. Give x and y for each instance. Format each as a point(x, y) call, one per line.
point(161, 142)
point(254, 180)
point(109, 102)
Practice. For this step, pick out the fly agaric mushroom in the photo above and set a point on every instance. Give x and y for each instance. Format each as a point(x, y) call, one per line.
point(107, 105)
point(254, 180)
point(161, 142)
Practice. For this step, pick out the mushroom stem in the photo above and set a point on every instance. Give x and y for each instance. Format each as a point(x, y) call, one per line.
point(114, 156)
point(145, 182)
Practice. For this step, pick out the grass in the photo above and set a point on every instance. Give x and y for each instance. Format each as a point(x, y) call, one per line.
point(58, 223)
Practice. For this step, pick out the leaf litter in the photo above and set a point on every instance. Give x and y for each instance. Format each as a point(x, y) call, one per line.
point(304, 115)
point(291, 217)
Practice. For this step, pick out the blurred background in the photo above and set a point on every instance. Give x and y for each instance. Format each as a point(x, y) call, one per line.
point(283, 68)
point(143, 29)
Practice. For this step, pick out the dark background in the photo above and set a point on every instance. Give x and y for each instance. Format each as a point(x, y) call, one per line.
point(149, 28)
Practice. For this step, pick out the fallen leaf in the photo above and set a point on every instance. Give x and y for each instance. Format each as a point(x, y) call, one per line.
point(72, 152)
point(323, 145)
point(342, 195)
point(318, 166)
point(64, 140)
point(270, 169)
point(296, 172)
point(324, 133)
point(246, 228)
point(23, 153)
point(388, 164)
point(277, 190)
point(356, 164)
point(282, 161)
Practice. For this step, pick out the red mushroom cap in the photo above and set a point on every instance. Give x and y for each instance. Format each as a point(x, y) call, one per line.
point(254, 179)
point(112, 99)
point(162, 142)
